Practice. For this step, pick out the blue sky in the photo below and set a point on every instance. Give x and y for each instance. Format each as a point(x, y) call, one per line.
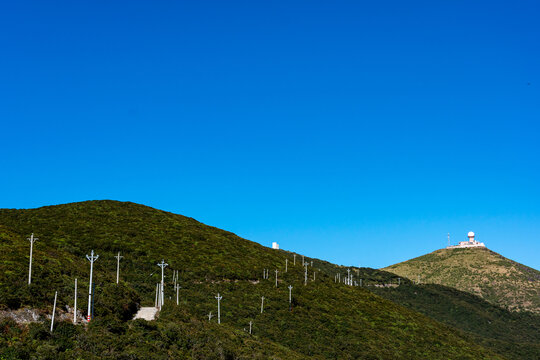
point(353, 131)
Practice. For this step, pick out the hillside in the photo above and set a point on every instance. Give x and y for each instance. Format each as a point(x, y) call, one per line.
point(516, 335)
point(478, 271)
point(328, 319)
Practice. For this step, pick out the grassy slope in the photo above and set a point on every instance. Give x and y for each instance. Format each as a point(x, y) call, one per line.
point(328, 320)
point(516, 335)
point(478, 271)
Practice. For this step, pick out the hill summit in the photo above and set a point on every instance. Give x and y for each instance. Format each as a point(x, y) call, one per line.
point(479, 271)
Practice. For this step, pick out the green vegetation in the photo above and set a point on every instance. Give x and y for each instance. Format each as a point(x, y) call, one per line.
point(328, 320)
point(516, 335)
point(479, 271)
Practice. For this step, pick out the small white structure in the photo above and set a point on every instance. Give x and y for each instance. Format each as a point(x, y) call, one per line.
point(467, 244)
point(275, 245)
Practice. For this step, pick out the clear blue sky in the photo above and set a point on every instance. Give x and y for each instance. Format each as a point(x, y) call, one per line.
point(360, 132)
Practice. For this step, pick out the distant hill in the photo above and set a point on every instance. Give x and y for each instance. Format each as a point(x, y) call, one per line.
point(478, 271)
point(328, 320)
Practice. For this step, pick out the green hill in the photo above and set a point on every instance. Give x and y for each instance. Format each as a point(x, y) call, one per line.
point(516, 335)
point(478, 271)
point(328, 320)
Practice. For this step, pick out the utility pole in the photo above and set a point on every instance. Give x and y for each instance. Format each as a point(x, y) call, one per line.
point(290, 297)
point(157, 295)
point(162, 265)
point(303, 260)
point(294, 259)
point(250, 323)
point(91, 258)
point(262, 304)
point(218, 308)
point(162, 296)
point(118, 257)
point(32, 240)
point(177, 288)
point(305, 275)
point(286, 261)
point(348, 276)
point(276, 276)
point(314, 275)
point(75, 304)
point(54, 310)
point(93, 298)
point(399, 281)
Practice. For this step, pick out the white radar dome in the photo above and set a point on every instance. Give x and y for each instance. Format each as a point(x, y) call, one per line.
point(470, 234)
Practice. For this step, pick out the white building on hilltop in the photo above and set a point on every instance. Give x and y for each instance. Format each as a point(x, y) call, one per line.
point(275, 245)
point(467, 244)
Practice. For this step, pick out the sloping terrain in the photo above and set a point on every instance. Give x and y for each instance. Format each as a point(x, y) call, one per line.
point(326, 320)
point(516, 335)
point(478, 271)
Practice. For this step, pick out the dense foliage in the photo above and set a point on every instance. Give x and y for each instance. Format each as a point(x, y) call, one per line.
point(328, 319)
point(516, 335)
